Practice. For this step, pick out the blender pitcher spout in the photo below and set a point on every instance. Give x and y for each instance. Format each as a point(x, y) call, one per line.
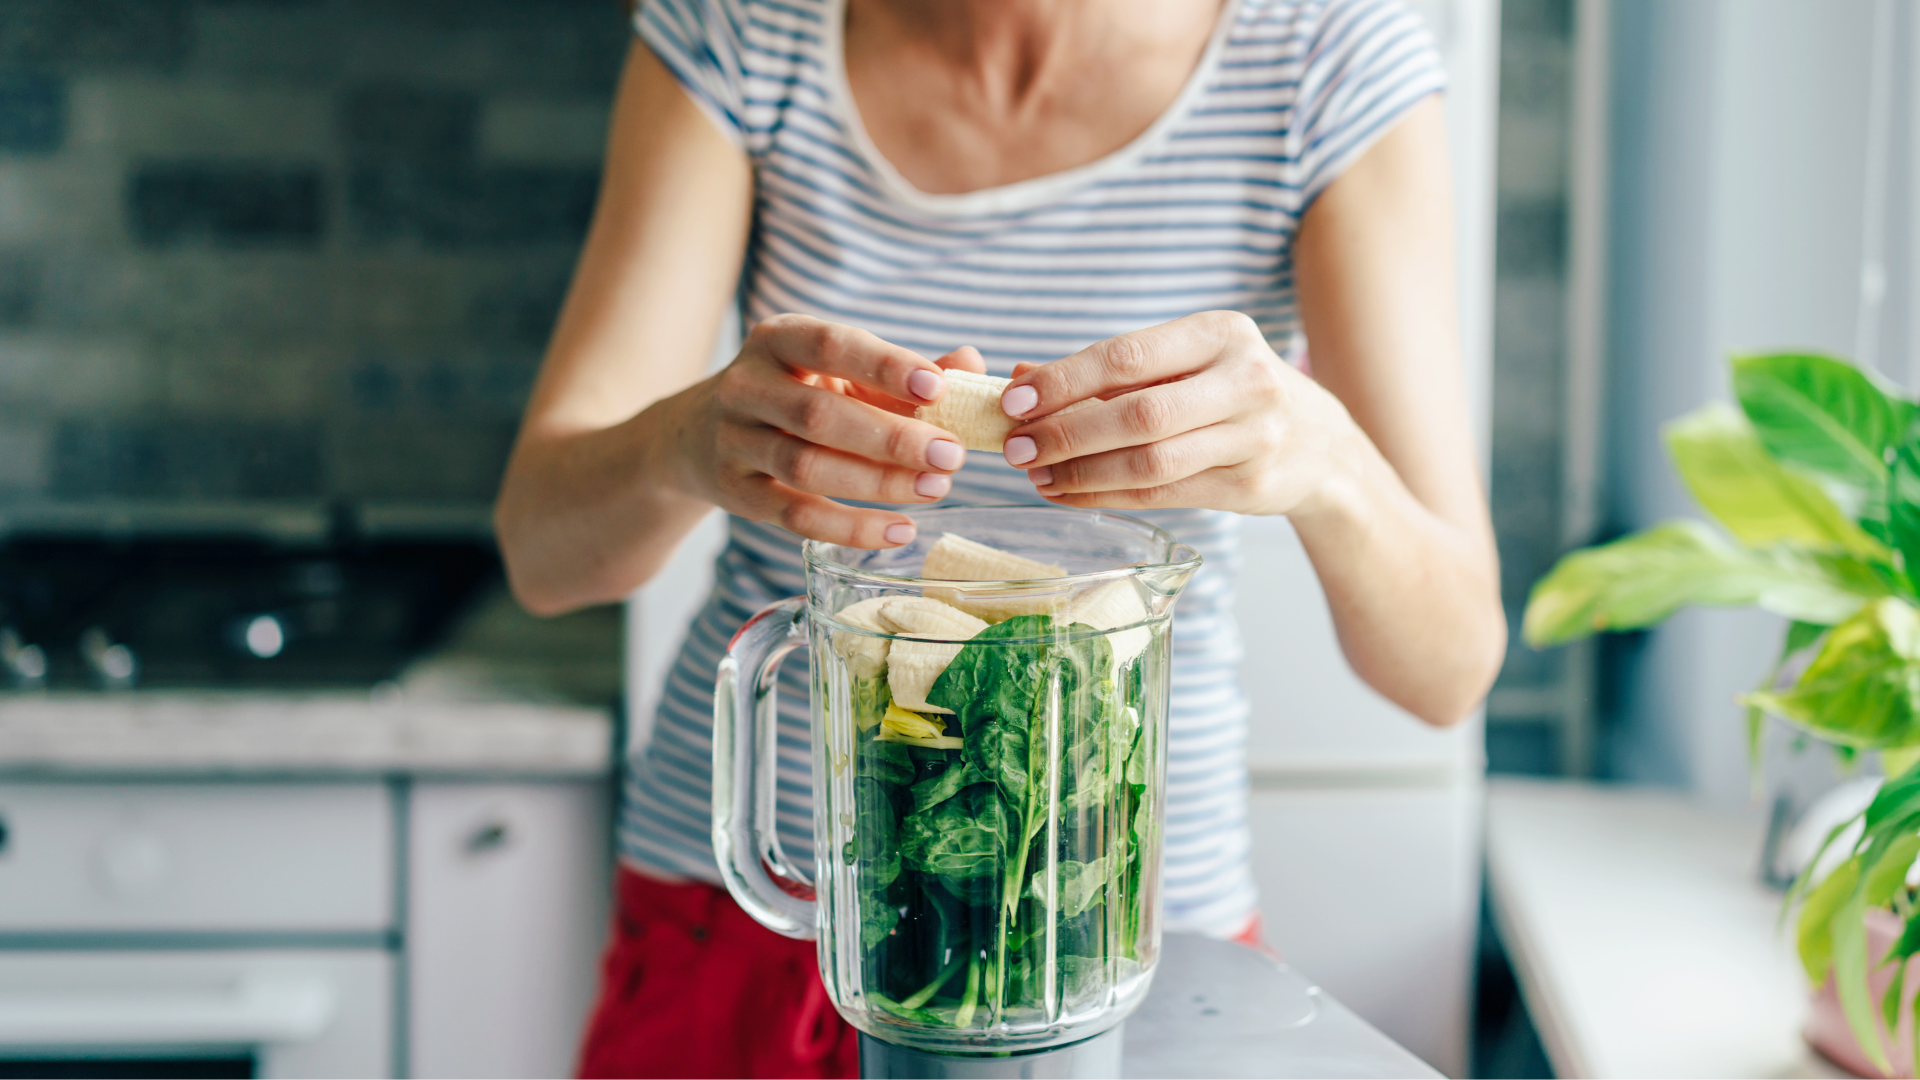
point(1162, 583)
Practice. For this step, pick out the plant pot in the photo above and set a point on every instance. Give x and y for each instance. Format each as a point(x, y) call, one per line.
point(1827, 1030)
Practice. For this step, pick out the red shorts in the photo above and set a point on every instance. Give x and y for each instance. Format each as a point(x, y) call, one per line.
point(692, 986)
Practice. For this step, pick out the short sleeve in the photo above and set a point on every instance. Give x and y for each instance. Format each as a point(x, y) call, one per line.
point(699, 41)
point(1368, 62)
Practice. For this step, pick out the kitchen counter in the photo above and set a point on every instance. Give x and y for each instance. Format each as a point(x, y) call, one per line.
point(506, 695)
point(1642, 940)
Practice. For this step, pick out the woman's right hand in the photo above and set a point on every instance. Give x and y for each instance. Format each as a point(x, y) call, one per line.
point(811, 411)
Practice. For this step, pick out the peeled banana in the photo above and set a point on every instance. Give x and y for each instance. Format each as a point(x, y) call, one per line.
point(1106, 607)
point(971, 410)
point(956, 558)
point(865, 656)
point(913, 664)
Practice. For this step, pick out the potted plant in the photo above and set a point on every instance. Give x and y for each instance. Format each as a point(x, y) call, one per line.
point(1815, 479)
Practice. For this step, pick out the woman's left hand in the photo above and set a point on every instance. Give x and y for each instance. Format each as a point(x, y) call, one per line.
point(1198, 412)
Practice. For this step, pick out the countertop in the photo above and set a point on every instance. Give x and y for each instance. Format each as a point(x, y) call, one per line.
point(1640, 934)
point(506, 695)
point(1217, 1009)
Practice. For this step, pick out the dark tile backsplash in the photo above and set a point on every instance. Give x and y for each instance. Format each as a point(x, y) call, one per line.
point(225, 205)
point(188, 457)
point(286, 249)
point(152, 34)
point(33, 112)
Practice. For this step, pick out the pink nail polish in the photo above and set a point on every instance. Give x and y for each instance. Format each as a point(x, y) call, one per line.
point(901, 533)
point(942, 454)
point(1020, 449)
point(1020, 400)
point(925, 385)
point(931, 485)
point(1041, 476)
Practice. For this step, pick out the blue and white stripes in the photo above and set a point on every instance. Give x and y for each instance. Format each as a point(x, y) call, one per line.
point(1197, 213)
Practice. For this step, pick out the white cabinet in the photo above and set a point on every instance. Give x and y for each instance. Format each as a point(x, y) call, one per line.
point(297, 1013)
point(507, 907)
point(215, 856)
point(1374, 893)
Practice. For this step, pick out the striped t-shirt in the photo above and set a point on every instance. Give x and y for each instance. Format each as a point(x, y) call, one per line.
point(1197, 213)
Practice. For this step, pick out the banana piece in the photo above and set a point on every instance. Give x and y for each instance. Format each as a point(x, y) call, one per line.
point(927, 617)
point(910, 725)
point(971, 410)
point(956, 558)
point(1105, 607)
point(914, 664)
point(865, 656)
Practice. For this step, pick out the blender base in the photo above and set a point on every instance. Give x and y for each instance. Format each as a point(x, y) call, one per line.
point(1088, 1059)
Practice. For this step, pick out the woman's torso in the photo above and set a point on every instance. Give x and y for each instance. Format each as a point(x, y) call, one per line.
point(1197, 213)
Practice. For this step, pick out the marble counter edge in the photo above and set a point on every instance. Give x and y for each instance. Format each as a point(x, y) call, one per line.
point(229, 733)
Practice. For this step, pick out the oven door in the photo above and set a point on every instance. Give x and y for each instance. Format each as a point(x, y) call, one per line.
point(291, 1013)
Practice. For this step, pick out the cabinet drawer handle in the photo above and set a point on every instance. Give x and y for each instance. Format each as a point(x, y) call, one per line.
point(487, 837)
point(253, 1010)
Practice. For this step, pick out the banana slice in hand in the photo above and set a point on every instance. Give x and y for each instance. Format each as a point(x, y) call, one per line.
point(956, 558)
point(971, 410)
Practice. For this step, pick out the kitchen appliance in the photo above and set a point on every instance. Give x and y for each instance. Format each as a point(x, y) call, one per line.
point(988, 763)
point(89, 612)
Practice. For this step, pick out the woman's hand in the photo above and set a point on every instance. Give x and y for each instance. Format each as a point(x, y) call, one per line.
point(1198, 412)
point(811, 411)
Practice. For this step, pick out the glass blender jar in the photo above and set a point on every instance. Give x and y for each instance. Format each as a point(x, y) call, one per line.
point(989, 758)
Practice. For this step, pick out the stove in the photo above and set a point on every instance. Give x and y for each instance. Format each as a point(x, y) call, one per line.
point(89, 613)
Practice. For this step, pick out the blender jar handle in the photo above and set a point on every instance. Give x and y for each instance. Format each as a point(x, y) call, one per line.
point(752, 864)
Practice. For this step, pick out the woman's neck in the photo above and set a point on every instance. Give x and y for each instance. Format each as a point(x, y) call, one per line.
point(1011, 51)
point(965, 94)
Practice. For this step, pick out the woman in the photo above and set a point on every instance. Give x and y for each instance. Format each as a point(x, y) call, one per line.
point(1140, 201)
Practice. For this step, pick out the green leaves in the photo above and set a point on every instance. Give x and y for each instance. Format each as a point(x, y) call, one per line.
point(1640, 580)
point(1760, 501)
point(963, 838)
point(1823, 414)
point(1863, 688)
point(939, 789)
point(1081, 887)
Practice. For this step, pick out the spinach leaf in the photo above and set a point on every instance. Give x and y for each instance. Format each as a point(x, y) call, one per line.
point(886, 761)
point(964, 838)
point(940, 788)
point(1082, 885)
point(877, 844)
point(877, 918)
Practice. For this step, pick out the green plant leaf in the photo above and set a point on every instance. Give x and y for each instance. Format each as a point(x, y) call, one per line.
point(1886, 868)
point(1760, 501)
point(1641, 579)
point(1903, 507)
point(1814, 931)
point(1848, 929)
point(1863, 689)
point(1890, 1001)
point(1822, 413)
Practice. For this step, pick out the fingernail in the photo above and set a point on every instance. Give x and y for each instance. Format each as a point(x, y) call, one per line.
point(1041, 476)
point(931, 485)
point(1020, 449)
point(942, 454)
point(900, 533)
point(925, 384)
point(1020, 400)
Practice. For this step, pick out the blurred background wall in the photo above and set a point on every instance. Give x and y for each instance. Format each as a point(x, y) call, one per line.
point(285, 249)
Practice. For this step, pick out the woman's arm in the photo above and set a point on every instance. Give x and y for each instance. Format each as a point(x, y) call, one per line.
point(1401, 538)
point(624, 446)
point(1372, 458)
